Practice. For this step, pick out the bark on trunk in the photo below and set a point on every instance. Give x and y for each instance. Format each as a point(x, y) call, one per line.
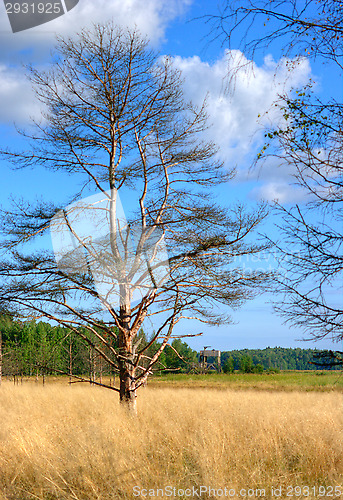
point(127, 374)
point(70, 361)
point(127, 371)
point(128, 395)
point(91, 366)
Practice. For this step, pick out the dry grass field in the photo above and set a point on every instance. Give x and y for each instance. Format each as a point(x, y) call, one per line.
point(283, 381)
point(59, 442)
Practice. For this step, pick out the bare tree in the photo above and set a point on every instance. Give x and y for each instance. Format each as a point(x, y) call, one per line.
point(117, 122)
point(311, 249)
point(300, 28)
point(310, 143)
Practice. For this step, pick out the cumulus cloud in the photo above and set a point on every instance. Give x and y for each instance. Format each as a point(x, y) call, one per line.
point(281, 191)
point(275, 180)
point(238, 117)
point(150, 16)
point(278, 180)
point(18, 103)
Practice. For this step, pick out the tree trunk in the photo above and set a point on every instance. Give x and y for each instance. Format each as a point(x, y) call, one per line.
point(70, 360)
point(128, 395)
point(100, 369)
point(127, 371)
point(91, 366)
point(127, 375)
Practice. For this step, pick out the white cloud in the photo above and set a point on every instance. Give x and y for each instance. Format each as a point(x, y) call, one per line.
point(274, 181)
point(235, 114)
point(18, 102)
point(237, 127)
point(150, 16)
point(239, 116)
point(278, 179)
point(280, 191)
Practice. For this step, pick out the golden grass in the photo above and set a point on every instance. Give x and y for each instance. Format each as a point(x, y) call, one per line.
point(77, 443)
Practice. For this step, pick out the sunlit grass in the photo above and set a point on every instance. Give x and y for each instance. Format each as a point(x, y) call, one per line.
point(282, 381)
point(61, 442)
point(285, 380)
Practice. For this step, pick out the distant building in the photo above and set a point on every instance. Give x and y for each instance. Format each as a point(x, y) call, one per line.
point(207, 360)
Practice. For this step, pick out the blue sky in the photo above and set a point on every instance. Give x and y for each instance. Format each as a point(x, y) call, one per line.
point(176, 28)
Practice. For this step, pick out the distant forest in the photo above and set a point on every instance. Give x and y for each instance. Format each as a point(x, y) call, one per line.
point(281, 358)
point(38, 349)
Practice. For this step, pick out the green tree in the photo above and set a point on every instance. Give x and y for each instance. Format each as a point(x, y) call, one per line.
point(229, 365)
point(179, 355)
point(246, 364)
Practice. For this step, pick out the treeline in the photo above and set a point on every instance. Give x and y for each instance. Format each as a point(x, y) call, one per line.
point(40, 349)
point(279, 358)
